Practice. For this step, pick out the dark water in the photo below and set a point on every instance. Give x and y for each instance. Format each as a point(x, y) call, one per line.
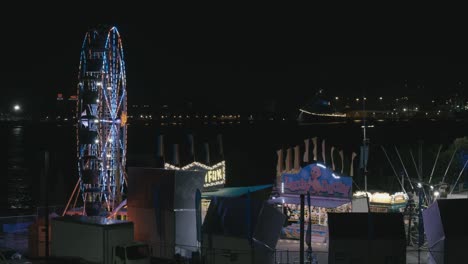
point(249, 150)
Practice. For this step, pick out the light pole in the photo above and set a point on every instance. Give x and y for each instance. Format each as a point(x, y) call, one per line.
point(365, 152)
point(365, 142)
point(420, 223)
point(301, 231)
point(311, 257)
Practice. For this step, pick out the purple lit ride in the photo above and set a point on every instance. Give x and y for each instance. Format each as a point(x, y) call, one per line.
point(101, 121)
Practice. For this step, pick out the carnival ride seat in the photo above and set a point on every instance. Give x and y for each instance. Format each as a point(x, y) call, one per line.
point(94, 64)
point(90, 176)
point(89, 96)
point(93, 189)
point(87, 136)
point(93, 208)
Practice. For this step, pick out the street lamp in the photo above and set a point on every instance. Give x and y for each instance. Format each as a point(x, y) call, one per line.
point(16, 107)
point(420, 224)
point(436, 194)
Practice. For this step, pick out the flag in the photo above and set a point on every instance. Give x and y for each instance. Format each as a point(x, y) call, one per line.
point(288, 166)
point(314, 140)
point(160, 146)
point(332, 159)
point(191, 146)
point(306, 152)
point(364, 155)
point(175, 154)
point(279, 165)
point(297, 164)
point(351, 172)
point(342, 161)
point(220, 146)
point(207, 153)
point(323, 152)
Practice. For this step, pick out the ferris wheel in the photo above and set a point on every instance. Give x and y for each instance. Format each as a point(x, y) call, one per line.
point(101, 120)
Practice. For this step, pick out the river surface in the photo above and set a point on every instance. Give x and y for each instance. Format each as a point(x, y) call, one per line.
point(249, 150)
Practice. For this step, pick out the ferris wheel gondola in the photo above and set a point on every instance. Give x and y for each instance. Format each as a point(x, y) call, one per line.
point(101, 117)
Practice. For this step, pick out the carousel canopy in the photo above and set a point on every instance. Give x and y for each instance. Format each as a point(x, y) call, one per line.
point(235, 191)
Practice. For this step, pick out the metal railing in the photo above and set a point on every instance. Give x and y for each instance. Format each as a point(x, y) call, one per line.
point(14, 233)
point(202, 255)
point(14, 230)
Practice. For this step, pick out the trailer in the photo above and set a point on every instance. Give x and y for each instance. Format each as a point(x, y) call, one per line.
point(97, 240)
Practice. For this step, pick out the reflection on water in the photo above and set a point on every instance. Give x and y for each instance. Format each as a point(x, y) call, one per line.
point(18, 180)
point(250, 152)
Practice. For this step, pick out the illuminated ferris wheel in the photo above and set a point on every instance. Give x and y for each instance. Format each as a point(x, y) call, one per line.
point(101, 117)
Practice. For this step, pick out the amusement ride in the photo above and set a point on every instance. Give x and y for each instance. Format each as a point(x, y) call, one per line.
point(101, 122)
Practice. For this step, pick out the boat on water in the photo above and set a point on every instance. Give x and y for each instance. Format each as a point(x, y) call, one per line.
point(320, 110)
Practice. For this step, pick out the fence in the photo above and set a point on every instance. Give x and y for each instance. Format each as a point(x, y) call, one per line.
point(200, 255)
point(14, 230)
point(293, 256)
point(14, 233)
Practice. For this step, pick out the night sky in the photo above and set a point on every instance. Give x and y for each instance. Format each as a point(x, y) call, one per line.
point(215, 63)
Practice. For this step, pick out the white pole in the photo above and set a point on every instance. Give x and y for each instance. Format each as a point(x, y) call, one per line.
point(404, 168)
point(416, 167)
point(394, 171)
point(461, 172)
point(445, 174)
point(435, 163)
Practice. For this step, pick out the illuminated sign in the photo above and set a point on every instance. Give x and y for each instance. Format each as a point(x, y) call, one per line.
point(123, 118)
point(215, 176)
point(318, 180)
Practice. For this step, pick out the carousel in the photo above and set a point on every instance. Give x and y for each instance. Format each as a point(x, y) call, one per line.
point(327, 192)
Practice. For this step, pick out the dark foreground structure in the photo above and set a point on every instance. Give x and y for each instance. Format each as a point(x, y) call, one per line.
point(446, 231)
point(161, 204)
point(240, 230)
point(366, 238)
